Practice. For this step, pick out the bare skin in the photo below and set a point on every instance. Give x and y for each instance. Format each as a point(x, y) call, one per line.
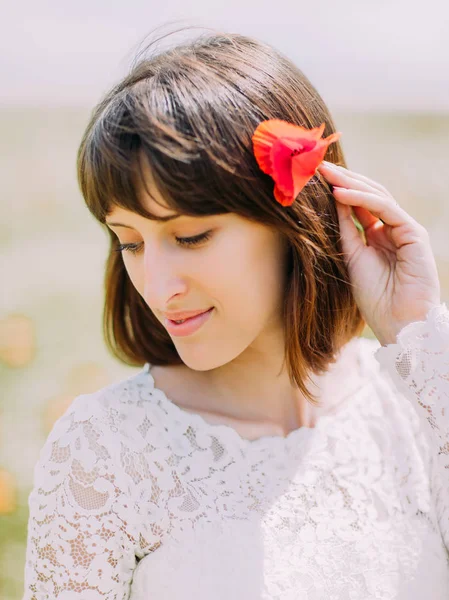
point(183, 387)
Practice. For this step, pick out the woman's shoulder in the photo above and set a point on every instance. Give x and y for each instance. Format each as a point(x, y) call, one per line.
point(376, 398)
point(125, 413)
point(388, 404)
point(362, 351)
point(114, 438)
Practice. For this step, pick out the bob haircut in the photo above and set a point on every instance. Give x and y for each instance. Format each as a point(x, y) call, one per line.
point(191, 112)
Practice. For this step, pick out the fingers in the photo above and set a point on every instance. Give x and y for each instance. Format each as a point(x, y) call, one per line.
point(382, 207)
point(351, 240)
point(359, 191)
point(365, 218)
point(350, 177)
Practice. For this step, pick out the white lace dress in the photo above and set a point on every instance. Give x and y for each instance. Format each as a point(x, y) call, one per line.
point(136, 498)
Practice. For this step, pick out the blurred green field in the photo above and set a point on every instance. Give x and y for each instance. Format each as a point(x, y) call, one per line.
point(52, 255)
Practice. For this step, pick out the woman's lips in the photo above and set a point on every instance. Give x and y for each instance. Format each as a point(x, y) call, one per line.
point(189, 326)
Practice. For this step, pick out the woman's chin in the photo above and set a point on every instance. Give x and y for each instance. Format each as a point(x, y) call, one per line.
point(203, 359)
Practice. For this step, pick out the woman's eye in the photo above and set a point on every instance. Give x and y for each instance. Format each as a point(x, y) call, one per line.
point(192, 241)
point(187, 241)
point(133, 248)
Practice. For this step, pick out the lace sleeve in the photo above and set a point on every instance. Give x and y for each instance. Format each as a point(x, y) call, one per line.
point(419, 365)
point(82, 536)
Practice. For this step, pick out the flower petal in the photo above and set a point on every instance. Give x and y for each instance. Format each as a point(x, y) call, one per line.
point(290, 154)
point(281, 166)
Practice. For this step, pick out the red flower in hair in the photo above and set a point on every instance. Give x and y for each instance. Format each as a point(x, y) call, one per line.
point(290, 154)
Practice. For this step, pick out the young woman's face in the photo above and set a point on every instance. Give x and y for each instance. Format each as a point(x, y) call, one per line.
point(234, 267)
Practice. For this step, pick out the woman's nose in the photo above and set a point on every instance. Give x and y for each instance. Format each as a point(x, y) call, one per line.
point(163, 280)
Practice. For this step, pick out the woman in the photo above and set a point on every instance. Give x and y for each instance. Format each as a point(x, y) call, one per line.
point(265, 449)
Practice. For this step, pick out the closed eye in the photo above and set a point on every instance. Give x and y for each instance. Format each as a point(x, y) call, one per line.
point(196, 239)
point(187, 241)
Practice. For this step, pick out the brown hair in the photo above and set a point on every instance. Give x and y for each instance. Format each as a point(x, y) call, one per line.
point(191, 110)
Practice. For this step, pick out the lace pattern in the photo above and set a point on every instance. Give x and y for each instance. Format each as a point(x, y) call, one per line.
point(418, 363)
point(82, 536)
point(136, 499)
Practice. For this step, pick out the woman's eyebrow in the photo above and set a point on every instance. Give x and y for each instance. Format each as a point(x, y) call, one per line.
point(161, 219)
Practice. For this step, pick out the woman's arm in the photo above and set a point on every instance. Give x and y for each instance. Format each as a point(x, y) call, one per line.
point(419, 365)
point(82, 529)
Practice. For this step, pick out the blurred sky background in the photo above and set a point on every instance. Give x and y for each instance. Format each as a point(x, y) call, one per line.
point(381, 66)
point(361, 54)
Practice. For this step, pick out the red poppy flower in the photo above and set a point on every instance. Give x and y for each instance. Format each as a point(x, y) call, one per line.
point(290, 154)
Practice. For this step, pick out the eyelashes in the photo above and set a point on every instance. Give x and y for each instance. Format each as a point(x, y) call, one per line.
point(194, 240)
point(186, 242)
point(133, 248)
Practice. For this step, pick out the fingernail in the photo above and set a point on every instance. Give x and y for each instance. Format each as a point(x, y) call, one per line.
point(329, 165)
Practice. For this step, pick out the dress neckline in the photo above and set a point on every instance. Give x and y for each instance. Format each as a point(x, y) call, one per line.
point(301, 434)
point(222, 430)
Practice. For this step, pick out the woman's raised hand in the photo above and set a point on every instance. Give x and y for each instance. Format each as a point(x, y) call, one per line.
point(394, 275)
